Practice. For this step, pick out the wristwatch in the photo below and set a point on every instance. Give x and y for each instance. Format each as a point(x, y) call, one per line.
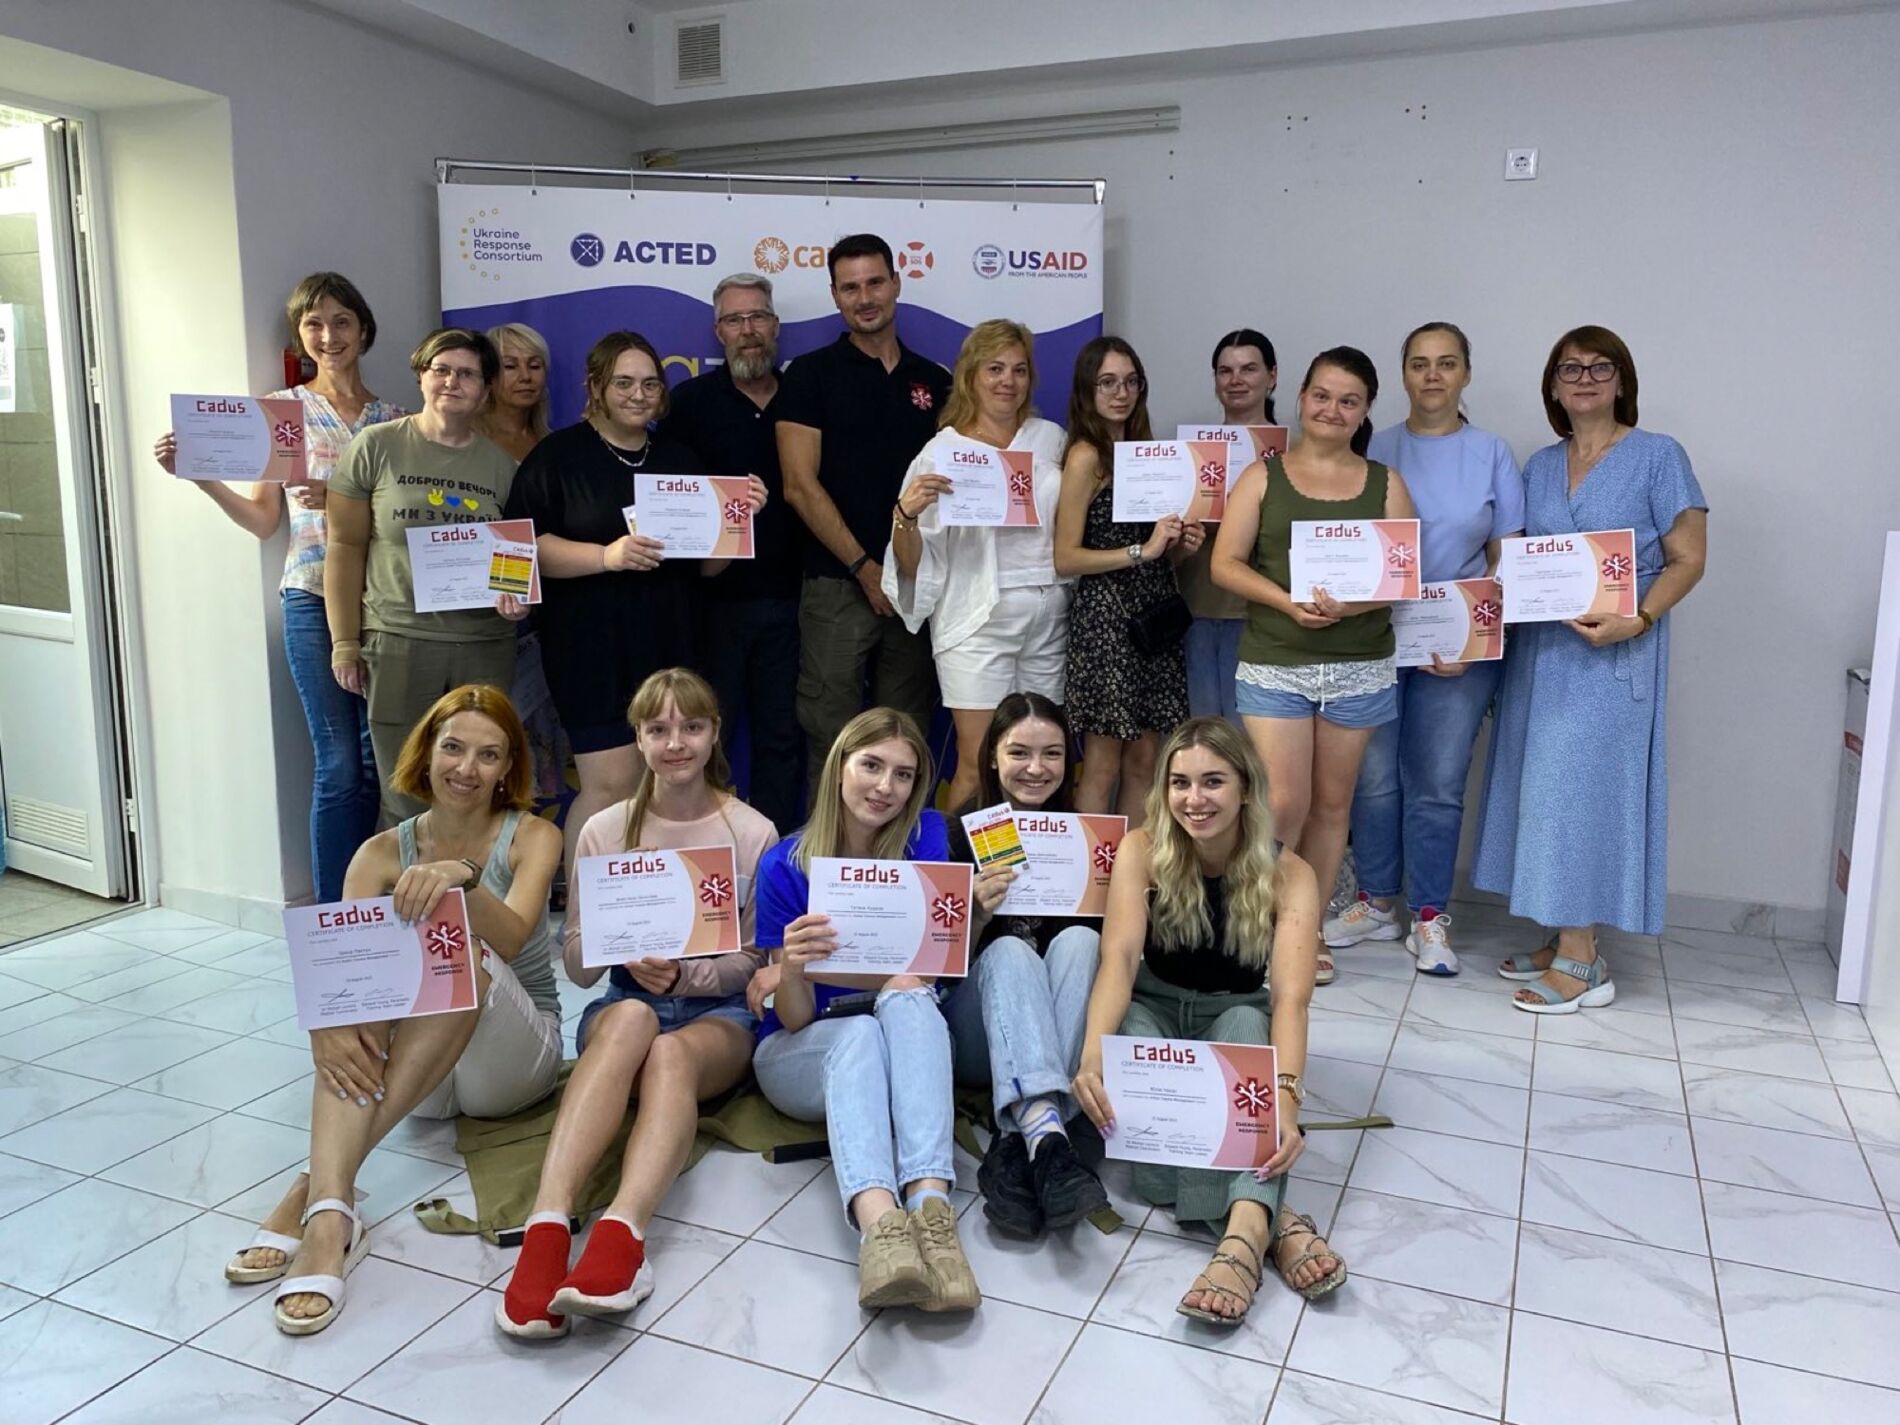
point(1649, 620)
point(1291, 1083)
point(474, 874)
point(1134, 554)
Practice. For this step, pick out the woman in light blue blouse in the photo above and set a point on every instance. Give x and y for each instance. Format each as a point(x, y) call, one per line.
point(1410, 801)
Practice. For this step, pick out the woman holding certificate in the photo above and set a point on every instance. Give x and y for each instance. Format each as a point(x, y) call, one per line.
point(466, 762)
point(1316, 673)
point(1016, 1021)
point(332, 325)
point(668, 1032)
point(1410, 803)
point(1127, 678)
point(614, 607)
point(1576, 794)
point(1212, 934)
point(985, 578)
point(880, 1081)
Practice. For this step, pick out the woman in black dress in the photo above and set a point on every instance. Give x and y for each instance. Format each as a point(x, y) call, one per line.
point(1121, 700)
point(614, 609)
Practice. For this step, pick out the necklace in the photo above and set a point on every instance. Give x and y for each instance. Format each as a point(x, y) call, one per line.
point(646, 449)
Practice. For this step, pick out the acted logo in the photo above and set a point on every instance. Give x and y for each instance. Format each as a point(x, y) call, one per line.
point(587, 249)
point(590, 250)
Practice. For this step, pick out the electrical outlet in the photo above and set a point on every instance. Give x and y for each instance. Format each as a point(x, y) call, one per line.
point(1520, 163)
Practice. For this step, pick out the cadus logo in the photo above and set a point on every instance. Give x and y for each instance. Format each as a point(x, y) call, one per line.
point(587, 249)
point(915, 259)
point(988, 260)
point(770, 254)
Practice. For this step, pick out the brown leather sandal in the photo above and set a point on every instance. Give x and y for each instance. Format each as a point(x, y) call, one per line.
point(1202, 1286)
point(1298, 1223)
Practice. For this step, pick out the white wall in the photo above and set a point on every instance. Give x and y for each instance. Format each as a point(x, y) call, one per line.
point(1723, 197)
point(313, 147)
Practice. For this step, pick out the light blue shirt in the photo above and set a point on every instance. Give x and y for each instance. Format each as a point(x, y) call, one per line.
point(1468, 490)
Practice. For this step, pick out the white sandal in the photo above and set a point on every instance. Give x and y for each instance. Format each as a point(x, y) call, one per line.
point(238, 1274)
point(322, 1285)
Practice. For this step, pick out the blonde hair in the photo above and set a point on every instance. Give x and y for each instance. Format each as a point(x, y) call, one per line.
point(519, 334)
point(694, 697)
point(986, 341)
point(1178, 917)
point(824, 833)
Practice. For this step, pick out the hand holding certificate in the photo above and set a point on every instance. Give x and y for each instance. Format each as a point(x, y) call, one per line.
point(1068, 859)
point(1186, 1103)
point(694, 516)
point(894, 917)
point(1461, 621)
point(1158, 478)
point(1553, 577)
point(469, 566)
point(239, 438)
point(988, 486)
point(664, 904)
point(354, 962)
point(1355, 560)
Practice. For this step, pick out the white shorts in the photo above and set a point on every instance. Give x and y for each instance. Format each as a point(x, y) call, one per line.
point(1023, 647)
point(511, 1061)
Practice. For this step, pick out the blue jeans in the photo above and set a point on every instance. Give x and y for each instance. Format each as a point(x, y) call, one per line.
point(1410, 802)
point(1016, 1023)
point(748, 650)
point(672, 1011)
point(344, 795)
point(880, 1083)
point(1213, 652)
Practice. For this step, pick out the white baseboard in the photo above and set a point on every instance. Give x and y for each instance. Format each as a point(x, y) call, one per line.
point(1685, 912)
point(243, 912)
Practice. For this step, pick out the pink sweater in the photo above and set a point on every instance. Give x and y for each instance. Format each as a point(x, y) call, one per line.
point(749, 833)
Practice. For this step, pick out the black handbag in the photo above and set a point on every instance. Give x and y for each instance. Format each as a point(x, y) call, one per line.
point(1160, 627)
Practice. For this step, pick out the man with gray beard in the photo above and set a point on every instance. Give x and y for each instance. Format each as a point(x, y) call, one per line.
point(748, 635)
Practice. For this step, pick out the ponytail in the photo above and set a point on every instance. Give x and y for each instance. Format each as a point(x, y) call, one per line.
point(1362, 438)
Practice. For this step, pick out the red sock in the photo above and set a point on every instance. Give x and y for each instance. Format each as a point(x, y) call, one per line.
point(538, 1271)
point(610, 1261)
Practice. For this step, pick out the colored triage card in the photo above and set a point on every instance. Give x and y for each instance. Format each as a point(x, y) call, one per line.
point(994, 839)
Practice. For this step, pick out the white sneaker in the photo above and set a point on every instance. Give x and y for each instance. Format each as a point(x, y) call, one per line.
point(1430, 943)
point(1362, 920)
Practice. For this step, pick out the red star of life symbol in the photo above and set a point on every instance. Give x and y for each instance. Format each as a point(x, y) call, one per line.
point(1253, 1096)
point(286, 433)
point(738, 511)
point(1484, 613)
point(1213, 474)
point(715, 890)
point(921, 398)
point(1400, 556)
point(446, 941)
point(1616, 566)
point(1104, 856)
point(1019, 484)
point(947, 910)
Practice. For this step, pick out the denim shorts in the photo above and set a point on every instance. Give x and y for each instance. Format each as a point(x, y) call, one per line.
point(1354, 710)
point(673, 1011)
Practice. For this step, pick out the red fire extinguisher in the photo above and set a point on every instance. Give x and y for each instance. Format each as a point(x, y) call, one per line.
point(298, 368)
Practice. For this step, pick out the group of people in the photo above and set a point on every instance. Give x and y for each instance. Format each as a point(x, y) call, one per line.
point(1145, 644)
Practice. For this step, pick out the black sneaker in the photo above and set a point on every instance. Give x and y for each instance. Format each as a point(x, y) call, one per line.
point(1067, 1191)
point(1009, 1193)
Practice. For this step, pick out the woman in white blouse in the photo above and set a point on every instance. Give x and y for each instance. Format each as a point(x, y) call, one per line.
point(999, 615)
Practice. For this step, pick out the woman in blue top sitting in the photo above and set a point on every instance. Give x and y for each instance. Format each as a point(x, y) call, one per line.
point(1410, 802)
point(880, 1081)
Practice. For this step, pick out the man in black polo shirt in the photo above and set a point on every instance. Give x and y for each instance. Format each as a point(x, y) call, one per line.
point(748, 635)
point(851, 417)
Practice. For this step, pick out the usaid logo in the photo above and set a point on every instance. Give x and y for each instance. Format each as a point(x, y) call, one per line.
point(988, 260)
point(587, 249)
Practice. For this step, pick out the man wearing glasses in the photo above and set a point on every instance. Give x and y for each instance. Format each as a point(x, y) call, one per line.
point(748, 638)
point(852, 416)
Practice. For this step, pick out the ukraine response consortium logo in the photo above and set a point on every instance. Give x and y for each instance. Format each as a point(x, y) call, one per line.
point(485, 243)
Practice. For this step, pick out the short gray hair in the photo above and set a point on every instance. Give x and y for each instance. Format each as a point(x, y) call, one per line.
point(744, 279)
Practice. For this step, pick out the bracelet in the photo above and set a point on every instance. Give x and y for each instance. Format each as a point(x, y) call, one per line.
point(902, 519)
point(857, 564)
point(474, 874)
point(1649, 620)
point(345, 651)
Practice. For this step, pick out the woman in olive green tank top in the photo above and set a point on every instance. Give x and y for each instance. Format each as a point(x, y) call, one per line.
point(1315, 676)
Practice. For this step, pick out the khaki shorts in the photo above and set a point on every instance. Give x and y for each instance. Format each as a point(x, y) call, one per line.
point(512, 1060)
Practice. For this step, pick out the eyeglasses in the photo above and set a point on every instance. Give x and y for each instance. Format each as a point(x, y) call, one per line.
point(734, 321)
point(1109, 385)
point(1572, 372)
point(627, 385)
point(449, 375)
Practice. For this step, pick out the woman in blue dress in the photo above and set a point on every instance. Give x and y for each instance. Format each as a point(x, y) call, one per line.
point(1576, 794)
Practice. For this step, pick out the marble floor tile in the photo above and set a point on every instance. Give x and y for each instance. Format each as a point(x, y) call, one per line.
point(1874, 1115)
point(1745, 972)
point(1385, 960)
point(1063, 1272)
point(347, 1412)
point(1803, 1235)
point(136, 1051)
point(1609, 1078)
point(1453, 1172)
point(1776, 1161)
point(831, 1405)
point(774, 1307)
point(1422, 1244)
point(190, 1385)
point(1755, 1051)
point(288, 1105)
point(1607, 1200)
point(23, 1181)
point(1813, 979)
point(1611, 1133)
point(159, 918)
point(1803, 1322)
point(1111, 1374)
point(49, 1036)
point(1625, 1286)
point(56, 1358)
point(1458, 1054)
point(218, 948)
point(104, 1130)
point(1338, 1088)
point(388, 1185)
point(1721, 942)
point(988, 1369)
point(167, 940)
point(243, 1009)
point(72, 959)
point(814, 1221)
point(1774, 1395)
point(12, 1300)
point(231, 1074)
point(1565, 1374)
point(213, 1162)
point(1357, 1037)
point(1464, 1108)
point(1885, 1165)
point(1744, 1009)
point(14, 991)
point(1764, 1101)
point(1474, 1006)
point(1329, 1154)
point(1651, 1035)
point(61, 1238)
point(172, 1286)
point(677, 1384)
point(194, 983)
point(1367, 995)
point(1829, 1020)
point(30, 1094)
point(1441, 1349)
point(268, 959)
point(731, 1191)
point(1855, 1066)
point(1310, 1400)
point(1157, 1273)
point(43, 1005)
point(129, 981)
point(463, 1369)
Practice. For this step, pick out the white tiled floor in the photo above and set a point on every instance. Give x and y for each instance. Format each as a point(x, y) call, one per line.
point(1679, 1209)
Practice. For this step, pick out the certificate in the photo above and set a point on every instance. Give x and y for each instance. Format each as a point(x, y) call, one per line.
point(1245, 444)
point(467, 566)
point(990, 486)
point(994, 839)
point(1157, 478)
point(694, 516)
point(1069, 857)
point(1462, 621)
point(1186, 1103)
point(239, 438)
point(670, 904)
point(354, 962)
point(1548, 577)
point(894, 917)
point(1355, 559)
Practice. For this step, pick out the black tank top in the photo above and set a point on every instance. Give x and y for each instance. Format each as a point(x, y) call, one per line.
point(1205, 968)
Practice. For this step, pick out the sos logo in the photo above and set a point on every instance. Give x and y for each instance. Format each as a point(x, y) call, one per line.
point(915, 259)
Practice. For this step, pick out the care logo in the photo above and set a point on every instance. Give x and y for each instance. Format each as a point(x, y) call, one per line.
point(988, 260)
point(486, 242)
point(587, 249)
point(915, 259)
point(771, 254)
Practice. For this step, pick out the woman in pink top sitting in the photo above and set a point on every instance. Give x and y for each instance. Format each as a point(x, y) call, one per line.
point(668, 1033)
